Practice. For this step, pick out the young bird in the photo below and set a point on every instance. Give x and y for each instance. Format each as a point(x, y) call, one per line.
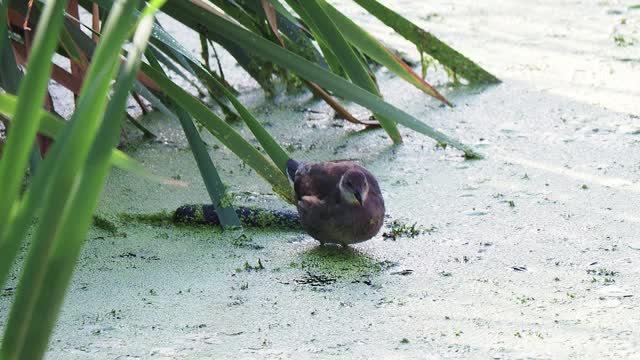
point(338, 202)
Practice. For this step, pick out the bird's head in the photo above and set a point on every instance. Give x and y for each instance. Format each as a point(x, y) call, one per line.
point(354, 187)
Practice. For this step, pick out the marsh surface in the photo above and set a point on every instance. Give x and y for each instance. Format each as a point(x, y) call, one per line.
point(532, 252)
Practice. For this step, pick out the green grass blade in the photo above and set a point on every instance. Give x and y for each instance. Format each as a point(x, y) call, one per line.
point(161, 37)
point(327, 80)
point(28, 209)
point(428, 43)
point(329, 61)
point(154, 100)
point(72, 49)
point(82, 203)
point(165, 42)
point(236, 11)
point(10, 75)
point(365, 42)
point(215, 187)
point(355, 69)
point(88, 47)
point(52, 126)
point(232, 33)
point(206, 77)
point(225, 133)
point(154, 55)
point(25, 122)
point(4, 6)
point(270, 145)
point(146, 133)
point(204, 51)
point(15, 335)
point(332, 59)
point(297, 39)
point(189, 13)
point(76, 142)
point(327, 50)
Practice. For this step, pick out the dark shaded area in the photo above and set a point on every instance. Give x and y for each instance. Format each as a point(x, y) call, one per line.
point(249, 216)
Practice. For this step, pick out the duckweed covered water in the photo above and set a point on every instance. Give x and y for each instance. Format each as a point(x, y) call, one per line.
point(555, 276)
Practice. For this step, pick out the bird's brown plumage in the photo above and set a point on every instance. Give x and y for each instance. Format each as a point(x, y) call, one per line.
point(323, 212)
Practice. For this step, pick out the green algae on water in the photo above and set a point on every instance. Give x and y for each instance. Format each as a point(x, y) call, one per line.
point(160, 218)
point(105, 224)
point(249, 268)
point(195, 215)
point(245, 242)
point(398, 229)
point(340, 262)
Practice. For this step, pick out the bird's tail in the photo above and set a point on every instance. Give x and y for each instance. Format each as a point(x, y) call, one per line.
point(292, 167)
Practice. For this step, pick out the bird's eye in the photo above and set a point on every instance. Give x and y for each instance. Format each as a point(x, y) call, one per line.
point(349, 183)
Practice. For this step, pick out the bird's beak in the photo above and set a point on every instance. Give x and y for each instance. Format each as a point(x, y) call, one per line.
point(358, 197)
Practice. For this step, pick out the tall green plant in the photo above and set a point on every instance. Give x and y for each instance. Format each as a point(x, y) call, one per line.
point(24, 124)
point(77, 168)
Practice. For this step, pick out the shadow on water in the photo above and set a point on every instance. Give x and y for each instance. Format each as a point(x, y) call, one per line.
point(328, 264)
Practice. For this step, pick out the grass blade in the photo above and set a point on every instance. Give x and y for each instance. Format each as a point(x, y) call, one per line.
point(299, 42)
point(10, 77)
point(172, 48)
point(25, 122)
point(272, 16)
point(9, 72)
point(323, 27)
point(225, 133)
point(428, 43)
point(327, 80)
point(224, 208)
point(365, 42)
point(82, 202)
point(208, 78)
point(74, 146)
point(232, 33)
point(216, 189)
point(270, 145)
point(52, 126)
